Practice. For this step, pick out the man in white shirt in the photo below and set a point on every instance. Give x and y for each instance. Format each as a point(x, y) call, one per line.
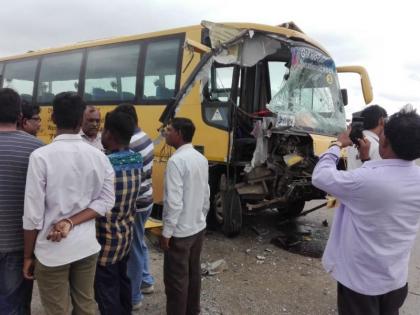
point(374, 121)
point(90, 127)
point(186, 204)
point(69, 183)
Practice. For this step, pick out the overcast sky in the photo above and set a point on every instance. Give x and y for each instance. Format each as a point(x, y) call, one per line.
point(382, 37)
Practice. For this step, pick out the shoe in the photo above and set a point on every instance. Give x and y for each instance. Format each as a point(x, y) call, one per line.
point(147, 288)
point(137, 306)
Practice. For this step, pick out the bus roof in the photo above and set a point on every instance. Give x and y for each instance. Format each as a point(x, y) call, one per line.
point(279, 30)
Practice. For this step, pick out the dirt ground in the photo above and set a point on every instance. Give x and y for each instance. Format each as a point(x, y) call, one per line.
point(279, 282)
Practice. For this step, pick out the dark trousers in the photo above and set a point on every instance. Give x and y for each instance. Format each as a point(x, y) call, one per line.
point(15, 291)
point(113, 289)
point(182, 275)
point(353, 303)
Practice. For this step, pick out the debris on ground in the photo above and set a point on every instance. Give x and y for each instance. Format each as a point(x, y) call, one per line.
point(259, 231)
point(301, 238)
point(325, 223)
point(259, 257)
point(286, 241)
point(214, 268)
point(302, 230)
point(248, 250)
point(268, 250)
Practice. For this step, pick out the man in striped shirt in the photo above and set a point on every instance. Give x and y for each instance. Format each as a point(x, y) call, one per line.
point(15, 148)
point(138, 263)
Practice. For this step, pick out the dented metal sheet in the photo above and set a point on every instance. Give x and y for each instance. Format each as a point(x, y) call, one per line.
point(221, 34)
point(230, 46)
point(248, 51)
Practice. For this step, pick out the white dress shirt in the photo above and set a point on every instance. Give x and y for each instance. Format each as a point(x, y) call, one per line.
point(97, 142)
point(375, 225)
point(353, 159)
point(64, 178)
point(186, 193)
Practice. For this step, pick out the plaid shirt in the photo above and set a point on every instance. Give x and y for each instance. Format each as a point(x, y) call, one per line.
point(114, 231)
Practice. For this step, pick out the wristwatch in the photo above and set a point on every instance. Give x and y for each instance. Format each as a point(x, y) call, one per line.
point(337, 143)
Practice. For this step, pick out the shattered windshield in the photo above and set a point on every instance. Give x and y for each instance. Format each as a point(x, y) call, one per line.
point(309, 97)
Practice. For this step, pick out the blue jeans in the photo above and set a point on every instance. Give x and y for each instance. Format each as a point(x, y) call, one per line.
point(113, 289)
point(15, 291)
point(138, 261)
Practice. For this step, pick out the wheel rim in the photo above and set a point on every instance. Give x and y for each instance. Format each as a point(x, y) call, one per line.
point(218, 206)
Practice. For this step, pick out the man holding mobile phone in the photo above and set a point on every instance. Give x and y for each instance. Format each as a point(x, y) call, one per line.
point(375, 226)
point(373, 119)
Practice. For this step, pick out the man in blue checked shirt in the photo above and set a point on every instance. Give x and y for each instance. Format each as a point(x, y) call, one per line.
point(115, 230)
point(138, 263)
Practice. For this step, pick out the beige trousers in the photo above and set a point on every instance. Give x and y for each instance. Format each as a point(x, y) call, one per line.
point(74, 281)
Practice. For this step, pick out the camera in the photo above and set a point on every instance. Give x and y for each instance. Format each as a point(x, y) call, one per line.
point(357, 127)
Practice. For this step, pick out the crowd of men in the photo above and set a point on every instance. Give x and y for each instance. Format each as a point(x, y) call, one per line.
point(73, 212)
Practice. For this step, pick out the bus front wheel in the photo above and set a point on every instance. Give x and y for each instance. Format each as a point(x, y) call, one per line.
point(228, 210)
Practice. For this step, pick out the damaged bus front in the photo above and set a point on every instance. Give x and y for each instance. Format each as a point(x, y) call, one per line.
point(276, 95)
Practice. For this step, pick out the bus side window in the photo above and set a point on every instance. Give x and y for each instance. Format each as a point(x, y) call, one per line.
point(1, 74)
point(59, 73)
point(220, 83)
point(111, 73)
point(20, 76)
point(218, 99)
point(161, 69)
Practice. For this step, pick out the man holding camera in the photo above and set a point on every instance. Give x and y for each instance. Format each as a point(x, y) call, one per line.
point(376, 223)
point(368, 124)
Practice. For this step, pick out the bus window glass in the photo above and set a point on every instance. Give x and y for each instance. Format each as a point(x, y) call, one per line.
point(59, 73)
point(1, 74)
point(20, 76)
point(277, 71)
point(111, 73)
point(161, 69)
point(222, 81)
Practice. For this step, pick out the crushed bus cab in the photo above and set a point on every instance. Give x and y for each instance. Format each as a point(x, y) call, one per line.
point(276, 94)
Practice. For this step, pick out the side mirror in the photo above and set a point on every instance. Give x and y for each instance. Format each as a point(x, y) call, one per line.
point(344, 96)
point(365, 81)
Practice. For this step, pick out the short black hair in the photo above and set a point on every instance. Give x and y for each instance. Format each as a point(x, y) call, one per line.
point(68, 109)
point(9, 106)
point(185, 126)
point(120, 125)
point(128, 109)
point(29, 110)
point(371, 116)
point(403, 132)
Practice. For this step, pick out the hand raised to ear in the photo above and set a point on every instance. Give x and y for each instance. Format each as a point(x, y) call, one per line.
point(364, 148)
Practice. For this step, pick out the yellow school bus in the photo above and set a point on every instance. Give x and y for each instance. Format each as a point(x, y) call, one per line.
point(265, 100)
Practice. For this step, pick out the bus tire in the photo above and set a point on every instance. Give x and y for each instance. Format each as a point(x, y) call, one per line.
point(232, 213)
